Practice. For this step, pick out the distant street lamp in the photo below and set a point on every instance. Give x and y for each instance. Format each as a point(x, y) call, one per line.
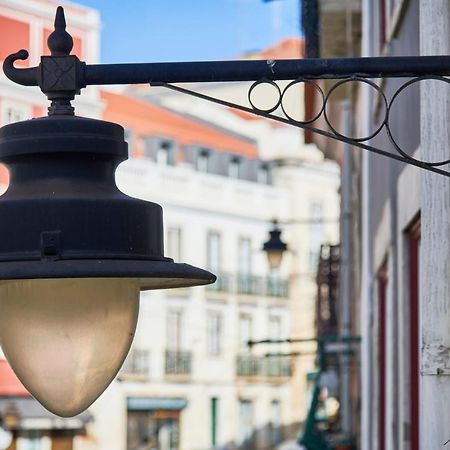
point(75, 251)
point(274, 247)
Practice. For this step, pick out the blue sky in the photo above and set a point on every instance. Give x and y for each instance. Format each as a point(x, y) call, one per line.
point(178, 30)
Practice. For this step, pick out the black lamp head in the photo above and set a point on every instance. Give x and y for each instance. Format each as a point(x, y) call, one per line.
point(63, 215)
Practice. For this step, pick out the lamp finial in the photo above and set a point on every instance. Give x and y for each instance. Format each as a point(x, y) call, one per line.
point(60, 42)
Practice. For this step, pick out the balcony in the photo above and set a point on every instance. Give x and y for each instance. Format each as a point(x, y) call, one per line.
point(250, 285)
point(248, 365)
point(222, 284)
point(136, 367)
point(277, 287)
point(272, 287)
point(278, 366)
point(178, 362)
point(263, 367)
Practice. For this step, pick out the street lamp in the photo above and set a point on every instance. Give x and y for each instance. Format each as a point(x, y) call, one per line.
point(76, 251)
point(274, 247)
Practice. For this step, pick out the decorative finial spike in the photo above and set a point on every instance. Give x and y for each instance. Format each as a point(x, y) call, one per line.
point(60, 42)
point(60, 19)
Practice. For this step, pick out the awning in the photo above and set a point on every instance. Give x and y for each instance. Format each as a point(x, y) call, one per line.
point(155, 403)
point(31, 415)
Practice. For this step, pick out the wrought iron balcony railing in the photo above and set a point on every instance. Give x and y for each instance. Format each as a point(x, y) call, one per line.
point(277, 287)
point(253, 285)
point(178, 362)
point(261, 366)
point(137, 365)
point(250, 285)
point(248, 365)
point(277, 366)
point(222, 284)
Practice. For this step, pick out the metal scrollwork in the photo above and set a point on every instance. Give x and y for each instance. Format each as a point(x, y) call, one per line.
point(278, 111)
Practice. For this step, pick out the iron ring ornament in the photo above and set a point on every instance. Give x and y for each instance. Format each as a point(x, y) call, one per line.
point(391, 103)
point(316, 87)
point(270, 83)
point(324, 101)
point(369, 83)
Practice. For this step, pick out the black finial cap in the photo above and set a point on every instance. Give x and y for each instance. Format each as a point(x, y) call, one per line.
point(60, 42)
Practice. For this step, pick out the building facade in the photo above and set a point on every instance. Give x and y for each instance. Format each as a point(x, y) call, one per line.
point(405, 223)
point(300, 167)
point(400, 221)
point(190, 381)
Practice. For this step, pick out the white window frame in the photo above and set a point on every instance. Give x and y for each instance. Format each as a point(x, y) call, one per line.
point(21, 111)
point(214, 331)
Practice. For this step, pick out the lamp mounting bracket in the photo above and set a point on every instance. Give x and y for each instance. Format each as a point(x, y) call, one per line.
point(61, 76)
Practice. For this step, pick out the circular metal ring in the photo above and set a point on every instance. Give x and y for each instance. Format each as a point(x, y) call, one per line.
point(370, 83)
point(257, 83)
point(317, 87)
point(388, 129)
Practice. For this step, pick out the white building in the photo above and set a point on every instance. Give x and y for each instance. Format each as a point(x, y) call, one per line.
point(312, 182)
point(405, 216)
point(190, 382)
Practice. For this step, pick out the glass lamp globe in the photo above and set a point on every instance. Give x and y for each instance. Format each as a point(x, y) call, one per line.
point(274, 258)
point(66, 339)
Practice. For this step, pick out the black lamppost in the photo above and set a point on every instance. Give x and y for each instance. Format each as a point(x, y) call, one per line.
point(76, 251)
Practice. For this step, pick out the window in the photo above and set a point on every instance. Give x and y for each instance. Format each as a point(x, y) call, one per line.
point(245, 330)
point(245, 256)
point(315, 214)
point(234, 168)
point(245, 422)
point(31, 440)
point(275, 330)
point(162, 156)
point(128, 136)
point(388, 10)
point(12, 112)
point(213, 250)
point(275, 421)
point(214, 420)
point(203, 161)
point(174, 243)
point(262, 175)
point(174, 329)
point(152, 429)
point(214, 333)
point(165, 152)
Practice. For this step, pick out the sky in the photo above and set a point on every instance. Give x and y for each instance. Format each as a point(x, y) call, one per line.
point(188, 30)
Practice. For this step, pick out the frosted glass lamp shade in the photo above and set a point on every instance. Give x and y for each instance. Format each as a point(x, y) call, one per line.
point(274, 258)
point(67, 338)
point(274, 247)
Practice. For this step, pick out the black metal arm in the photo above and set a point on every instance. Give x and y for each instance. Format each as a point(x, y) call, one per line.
point(62, 72)
point(61, 76)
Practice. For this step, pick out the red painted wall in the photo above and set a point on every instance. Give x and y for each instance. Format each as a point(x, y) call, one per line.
point(15, 36)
